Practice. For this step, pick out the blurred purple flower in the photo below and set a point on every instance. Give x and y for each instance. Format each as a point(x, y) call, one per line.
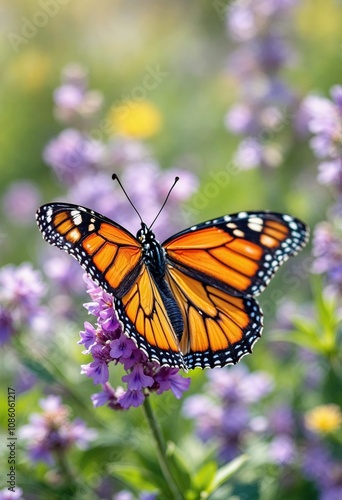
point(282, 450)
point(281, 421)
point(322, 117)
point(72, 99)
point(330, 173)
point(6, 494)
point(6, 325)
point(227, 416)
point(326, 472)
point(52, 431)
point(257, 28)
point(127, 495)
point(327, 252)
point(238, 384)
point(21, 290)
point(107, 343)
point(64, 272)
point(72, 155)
point(20, 202)
point(249, 154)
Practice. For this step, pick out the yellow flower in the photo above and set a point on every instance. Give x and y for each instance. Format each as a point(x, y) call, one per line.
point(324, 419)
point(30, 69)
point(135, 119)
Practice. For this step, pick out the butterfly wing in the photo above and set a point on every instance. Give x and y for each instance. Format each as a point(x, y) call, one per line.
point(145, 319)
point(238, 253)
point(113, 258)
point(105, 250)
point(219, 328)
point(214, 270)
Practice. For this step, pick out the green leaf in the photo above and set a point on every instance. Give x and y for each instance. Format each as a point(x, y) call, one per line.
point(204, 476)
point(180, 465)
point(298, 338)
point(137, 478)
point(226, 472)
point(38, 369)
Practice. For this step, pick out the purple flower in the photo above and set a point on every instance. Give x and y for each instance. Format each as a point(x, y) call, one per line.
point(225, 415)
point(282, 450)
point(72, 155)
point(137, 379)
point(88, 336)
point(6, 325)
point(52, 431)
point(107, 343)
point(336, 94)
point(330, 173)
point(20, 202)
point(122, 347)
point(72, 98)
point(238, 384)
point(235, 419)
point(97, 369)
point(109, 396)
point(240, 119)
point(262, 50)
point(6, 494)
point(322, 117)
point(103, 308)
point(281, 420)
point(21, 289)
point(327, 252)
point(130, 398)
point(169, 378)
point(249, 154)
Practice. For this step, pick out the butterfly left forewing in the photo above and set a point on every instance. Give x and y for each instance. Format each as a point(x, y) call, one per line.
point(219, 328)
point(105, 250)
point(238, 253)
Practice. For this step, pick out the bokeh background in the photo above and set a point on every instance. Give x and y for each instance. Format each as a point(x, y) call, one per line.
point(215, 92)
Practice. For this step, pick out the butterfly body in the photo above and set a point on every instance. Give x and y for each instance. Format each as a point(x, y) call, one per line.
point(153, 256)
point(190, 301)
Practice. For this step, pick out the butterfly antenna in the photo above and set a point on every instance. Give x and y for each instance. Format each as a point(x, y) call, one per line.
point(167, 197)
point(116, 178)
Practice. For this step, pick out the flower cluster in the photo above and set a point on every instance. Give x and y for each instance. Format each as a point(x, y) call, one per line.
point(72, 99)
point(320, 467)
point(52, 432)
point(236, 416)
point(258, 29)
point(322, 118)
point(107, 343)
point(327, 253)
point(225, 416)
point(21, 290)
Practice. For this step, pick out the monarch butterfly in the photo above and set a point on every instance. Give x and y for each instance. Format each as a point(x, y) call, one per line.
point(188, 302)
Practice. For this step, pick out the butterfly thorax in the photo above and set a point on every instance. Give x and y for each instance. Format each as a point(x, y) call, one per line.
point(152, 252)
point(153, 256)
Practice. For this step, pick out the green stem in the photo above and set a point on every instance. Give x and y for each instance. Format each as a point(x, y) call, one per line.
point(161, 450)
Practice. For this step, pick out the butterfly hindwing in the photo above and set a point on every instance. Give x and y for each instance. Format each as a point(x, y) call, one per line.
point(238, 253)
point(145, 319)
point(106, 251)
point(219, 328)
